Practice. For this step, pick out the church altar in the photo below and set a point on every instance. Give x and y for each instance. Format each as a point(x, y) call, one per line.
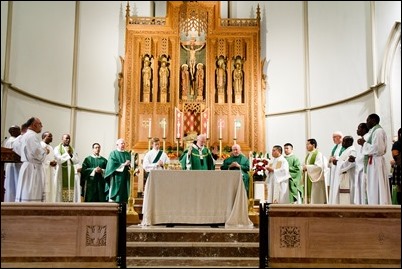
point(195, 197)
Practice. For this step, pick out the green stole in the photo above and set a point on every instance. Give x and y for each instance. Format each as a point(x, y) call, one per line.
point(340, 152)
point(157, 157)
point(367, 158)
point(64, 171)
point(312, 161)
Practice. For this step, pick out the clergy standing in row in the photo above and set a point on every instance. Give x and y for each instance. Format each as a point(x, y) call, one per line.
point(278, 176)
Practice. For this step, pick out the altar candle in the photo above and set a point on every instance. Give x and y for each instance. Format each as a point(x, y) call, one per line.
point(132, 159)
point(235, 130)
point(164, 128)
point(251, 160)
point(220, 129)
point(207, 129)
point(149, 127)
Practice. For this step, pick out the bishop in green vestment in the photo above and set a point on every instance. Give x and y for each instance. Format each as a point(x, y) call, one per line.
point(117, 174)
point(237, 161)
point(92, 179)
point(197, 156)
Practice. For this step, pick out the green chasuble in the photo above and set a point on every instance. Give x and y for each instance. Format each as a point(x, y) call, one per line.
point(198, 160)
point(295, 176)
point(245, 167)
point(93, 186)
point(117, 183)
point(311, 161)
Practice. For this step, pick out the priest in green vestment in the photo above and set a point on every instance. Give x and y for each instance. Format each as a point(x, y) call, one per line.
point(237, 161)
point(295, 186)
point(92, 179)
point(117, 174)
point(197, 156)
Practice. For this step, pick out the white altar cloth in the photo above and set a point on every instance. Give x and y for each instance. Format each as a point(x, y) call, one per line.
point(196, 197)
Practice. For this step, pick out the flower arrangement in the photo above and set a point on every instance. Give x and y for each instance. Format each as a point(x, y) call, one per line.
point(259, 162)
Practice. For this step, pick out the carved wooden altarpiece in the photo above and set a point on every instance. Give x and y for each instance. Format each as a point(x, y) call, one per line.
point(192, 70)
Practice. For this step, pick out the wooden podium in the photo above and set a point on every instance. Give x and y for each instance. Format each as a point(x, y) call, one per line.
point(7, 156)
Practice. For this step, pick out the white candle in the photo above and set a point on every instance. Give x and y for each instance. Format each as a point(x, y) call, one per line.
point(220, 128)
point(132, 159)
point(251, 160)
point(164, 128)
point(149, 127)
point(207, 129)
point(235, 130)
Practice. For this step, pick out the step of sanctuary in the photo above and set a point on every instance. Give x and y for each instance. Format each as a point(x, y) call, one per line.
point(192, 246)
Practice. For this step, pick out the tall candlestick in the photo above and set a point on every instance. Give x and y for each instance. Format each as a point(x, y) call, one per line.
point(149, 127)
point(207, 129)
point(235, 130)
point(220, 128)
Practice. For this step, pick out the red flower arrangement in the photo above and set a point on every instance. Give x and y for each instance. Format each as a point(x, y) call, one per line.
point(259, 167)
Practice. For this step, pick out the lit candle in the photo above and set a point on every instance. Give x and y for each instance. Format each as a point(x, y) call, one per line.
point(149, 127)
point(132, 159)
point(235, 130)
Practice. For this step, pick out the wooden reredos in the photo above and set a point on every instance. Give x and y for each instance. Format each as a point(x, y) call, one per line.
point(192, 71)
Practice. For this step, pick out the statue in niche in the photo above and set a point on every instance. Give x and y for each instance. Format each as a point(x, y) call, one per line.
point(163, 79)
point(200, 81)
point(185, 81)
point(192, 59)
point(146, 78)
point(238, 77)
point(221, 75)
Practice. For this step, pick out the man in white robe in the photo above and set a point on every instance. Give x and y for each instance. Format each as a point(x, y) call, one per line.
point(49, 166)
point(315, 169)
point(155, 159)
point(30, 186)
point(360, 177)
point(11, 170)
point(335, 153)
point(342, 191)
point(66, 172)
point(277, 177)
point(374, 148)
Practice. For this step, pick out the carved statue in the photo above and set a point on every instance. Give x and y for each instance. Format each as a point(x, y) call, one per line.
point(192, 60)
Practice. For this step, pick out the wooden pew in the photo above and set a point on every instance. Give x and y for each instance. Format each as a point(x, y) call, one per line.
point(331, 236)
point(69, 235)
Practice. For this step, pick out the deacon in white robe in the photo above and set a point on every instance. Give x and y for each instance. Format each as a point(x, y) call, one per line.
point(49, 167)
point(30, 186)
point(374, 148)
point(335, 154)
point(343, 182)
point(277, 177)
point(360, 177)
